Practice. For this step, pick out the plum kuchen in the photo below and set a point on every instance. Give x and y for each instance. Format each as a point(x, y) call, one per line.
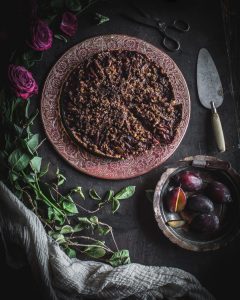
point(119, 104)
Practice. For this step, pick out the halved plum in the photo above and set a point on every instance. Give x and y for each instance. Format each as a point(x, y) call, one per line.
point(176, 200)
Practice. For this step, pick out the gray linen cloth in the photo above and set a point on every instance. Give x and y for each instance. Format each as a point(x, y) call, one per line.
point(63, 278)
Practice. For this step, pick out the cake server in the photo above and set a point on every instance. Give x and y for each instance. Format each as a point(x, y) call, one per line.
point(210, 92)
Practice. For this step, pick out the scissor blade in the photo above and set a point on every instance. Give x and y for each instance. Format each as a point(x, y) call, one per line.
point(140, 20)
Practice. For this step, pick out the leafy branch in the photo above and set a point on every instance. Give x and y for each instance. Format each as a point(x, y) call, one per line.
point(58, 211)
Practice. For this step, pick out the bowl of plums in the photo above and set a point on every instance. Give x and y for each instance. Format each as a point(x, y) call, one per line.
point(197, 203)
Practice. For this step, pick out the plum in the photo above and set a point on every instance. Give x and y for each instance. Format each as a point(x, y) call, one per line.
point(176, 200)
point(205, 223)
point(218, 192)
point(189, 181)
point(199, 203)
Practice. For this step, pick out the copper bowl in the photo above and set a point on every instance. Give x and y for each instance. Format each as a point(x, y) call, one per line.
point(229, 214)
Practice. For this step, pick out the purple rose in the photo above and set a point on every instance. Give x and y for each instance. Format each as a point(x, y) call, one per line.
point(22, 82)
point(69, 23)
point(41, 36)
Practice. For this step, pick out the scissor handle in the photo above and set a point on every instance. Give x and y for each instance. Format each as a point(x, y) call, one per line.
point(170, 44)
point(180, 25)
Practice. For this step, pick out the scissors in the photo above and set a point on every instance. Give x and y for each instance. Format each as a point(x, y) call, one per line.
point(168, 42)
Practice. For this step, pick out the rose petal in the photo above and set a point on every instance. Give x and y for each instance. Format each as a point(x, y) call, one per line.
point(41, 36)
point(69, 24)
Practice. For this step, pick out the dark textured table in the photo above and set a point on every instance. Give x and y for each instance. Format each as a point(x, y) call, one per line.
point(134, 224)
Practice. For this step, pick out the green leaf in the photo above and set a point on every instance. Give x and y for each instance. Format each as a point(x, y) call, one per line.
point(73, 5)
point(79, 191)
point(61, 179)
point(50, 213)
point(32, 143)
point(27, 108)
point(103, 230)
point(55, 215)
point(93, 220)
point(115, 205)
point(18, 193)
point(70, 207)
point(120, 258)
point(31, 56)
point(36, 164)
point(44, 171)
point(78, 228)
point(109, 195)
point(66, 229)
point(59, 238)
point(125, 193)
point(84, 220)
point(70, 252)
point(18, 130)
point(61, 37)
point(149, 195)
point(32, 118)
point(13, 176)
point(95, 251)
point(101, 19)
point(30, 178)
point(18, 160)
point(94, 195)
point(58, 217)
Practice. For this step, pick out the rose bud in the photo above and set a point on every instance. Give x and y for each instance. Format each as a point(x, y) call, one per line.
point(41, 36)
point(69, 23)
point(22, 82)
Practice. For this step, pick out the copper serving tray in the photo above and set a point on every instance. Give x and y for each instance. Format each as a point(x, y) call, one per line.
point(76, 155)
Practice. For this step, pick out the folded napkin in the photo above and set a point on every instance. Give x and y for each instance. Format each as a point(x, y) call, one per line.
point(63, 278)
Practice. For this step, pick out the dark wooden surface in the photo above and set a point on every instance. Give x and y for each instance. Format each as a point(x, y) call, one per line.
point(214, 25)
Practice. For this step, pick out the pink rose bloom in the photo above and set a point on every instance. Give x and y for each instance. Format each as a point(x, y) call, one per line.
point(69, 23)
point(22, 82)
point(41, 36)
